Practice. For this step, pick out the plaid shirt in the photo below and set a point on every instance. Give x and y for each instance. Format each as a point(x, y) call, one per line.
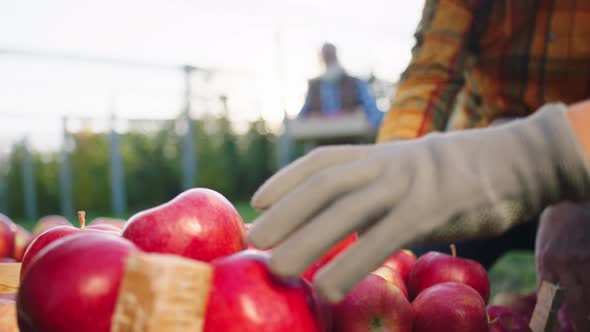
point(489, 59)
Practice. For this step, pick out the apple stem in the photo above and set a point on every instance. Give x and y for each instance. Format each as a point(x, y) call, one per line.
point(453, 250)
point(82, 219)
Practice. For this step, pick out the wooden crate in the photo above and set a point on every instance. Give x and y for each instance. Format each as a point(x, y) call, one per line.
point(9, 282)
point(543, 320)
point(349, 125)
point(549, 299)
point(9, 277)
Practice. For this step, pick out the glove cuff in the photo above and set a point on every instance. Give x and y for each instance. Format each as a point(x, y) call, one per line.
point(551, 127)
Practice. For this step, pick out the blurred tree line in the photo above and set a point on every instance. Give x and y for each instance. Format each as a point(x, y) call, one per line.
point(233, 164)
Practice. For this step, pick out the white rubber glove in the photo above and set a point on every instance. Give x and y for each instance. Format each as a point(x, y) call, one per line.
point(444, 187)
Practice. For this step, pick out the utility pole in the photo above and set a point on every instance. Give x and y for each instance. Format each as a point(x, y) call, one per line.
point(65, 175)
point(189, 159)
point(285, 144)
point(118, 192)
point(29, 183)
point(3, 197)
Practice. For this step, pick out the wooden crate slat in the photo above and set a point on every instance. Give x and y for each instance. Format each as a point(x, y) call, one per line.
point(549, 299)
point(9, 277)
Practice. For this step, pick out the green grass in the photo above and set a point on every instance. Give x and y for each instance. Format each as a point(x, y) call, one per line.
point(27, 224)
point(246, 211)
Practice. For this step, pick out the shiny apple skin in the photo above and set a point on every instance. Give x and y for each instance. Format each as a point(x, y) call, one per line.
point(42, 241)
point(435, 268)
point(51, 235)
point(73, 284)
point(246, 297)
point(115, 222)
point(199, 223)
point(311, 271)
point(503, 319)
point(373, 305)
point(106, 228)
point(524, 305)
point(392, 277)
point(450, 307)
point(402, 261)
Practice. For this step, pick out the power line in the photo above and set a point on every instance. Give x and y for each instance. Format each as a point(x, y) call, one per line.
point(111, 61)
point(56, 56)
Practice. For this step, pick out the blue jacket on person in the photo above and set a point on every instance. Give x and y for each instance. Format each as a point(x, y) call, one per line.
point(343, 94)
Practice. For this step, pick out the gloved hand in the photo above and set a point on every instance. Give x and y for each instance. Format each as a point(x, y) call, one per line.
point(563, 257)
point(444, 187)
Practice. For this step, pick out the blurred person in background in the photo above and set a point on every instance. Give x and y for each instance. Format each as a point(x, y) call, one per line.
point(475, 63)
point(335, 92)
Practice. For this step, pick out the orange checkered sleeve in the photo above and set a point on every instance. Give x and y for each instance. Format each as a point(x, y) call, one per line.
point(429, 85)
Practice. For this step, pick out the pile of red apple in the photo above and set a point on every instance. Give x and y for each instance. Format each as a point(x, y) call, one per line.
point(13, 240)
point(70, 279)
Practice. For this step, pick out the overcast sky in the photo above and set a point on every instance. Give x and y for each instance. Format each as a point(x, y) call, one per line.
point(237, 39)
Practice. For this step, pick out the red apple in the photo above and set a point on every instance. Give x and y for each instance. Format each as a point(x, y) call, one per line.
point(435, 268)
point(48, 222)
point(115, 222)
point(373, 305)
point(246, 297)
point(106, 228)
point(393, 277)
point(22, 239)
point(73, 284)
point(42, 241)
point(6, 236)
point(450, 307)
point(503, 319)
point(328, 257)
point(53, 234)
point(524, 305)
point(8, 315)
point(199, 224)
point(402, 262)
point(309, 274)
